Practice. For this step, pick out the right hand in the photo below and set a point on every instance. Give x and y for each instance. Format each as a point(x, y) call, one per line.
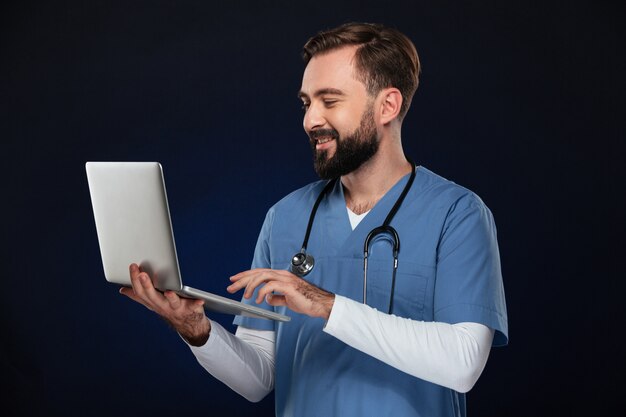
point(185, 315)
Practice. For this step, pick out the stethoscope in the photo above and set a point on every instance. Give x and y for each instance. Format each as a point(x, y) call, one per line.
point(302, 262)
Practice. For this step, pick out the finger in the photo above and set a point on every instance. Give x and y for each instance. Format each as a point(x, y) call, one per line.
point(192, 304)
point(255, 277)
point(268, 289)
point(134, 270)
point(238, 281)
point(242, 280)
point(283, 279)
point(135, 283)
point(241, 275)
point(198, 304)
point(135, 279)
point(128, 292)
point(177, 302)
point(233, 288)
point(142, 285)
point(154, 297)
point(249, 273)
point(255, 281)
point(266, 276)
point(173, 299)
point(276, 300)
point(238, 276)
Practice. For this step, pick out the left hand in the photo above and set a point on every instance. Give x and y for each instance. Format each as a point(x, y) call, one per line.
point(185, 315)
point(295, 293)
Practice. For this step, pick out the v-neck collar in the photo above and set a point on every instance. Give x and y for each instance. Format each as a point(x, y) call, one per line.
point(338, 230)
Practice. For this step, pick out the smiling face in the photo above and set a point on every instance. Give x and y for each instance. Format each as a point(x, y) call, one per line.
point(339, 114)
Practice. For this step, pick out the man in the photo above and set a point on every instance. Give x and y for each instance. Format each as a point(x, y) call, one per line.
point(424, 336)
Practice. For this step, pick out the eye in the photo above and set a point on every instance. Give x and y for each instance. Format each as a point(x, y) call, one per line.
point(305, 106)
point(329, 103)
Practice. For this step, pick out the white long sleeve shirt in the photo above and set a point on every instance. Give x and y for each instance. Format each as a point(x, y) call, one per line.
point(451, 355)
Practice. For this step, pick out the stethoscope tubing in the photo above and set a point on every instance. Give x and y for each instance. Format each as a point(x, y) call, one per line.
point(303, 263)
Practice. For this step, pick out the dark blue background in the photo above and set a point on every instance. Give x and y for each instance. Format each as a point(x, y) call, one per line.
point(522, 103)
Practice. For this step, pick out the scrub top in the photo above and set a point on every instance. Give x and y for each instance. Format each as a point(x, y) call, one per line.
point(448, 271)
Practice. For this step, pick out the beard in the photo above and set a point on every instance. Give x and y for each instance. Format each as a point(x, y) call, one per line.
point(350, 152)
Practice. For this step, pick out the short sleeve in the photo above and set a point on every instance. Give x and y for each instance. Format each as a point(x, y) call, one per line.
point(261, 259)
point(468, 285)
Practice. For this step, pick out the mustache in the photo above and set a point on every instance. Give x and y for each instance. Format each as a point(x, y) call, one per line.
point(314, 135)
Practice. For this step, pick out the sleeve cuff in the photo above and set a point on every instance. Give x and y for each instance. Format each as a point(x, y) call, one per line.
point(337, 314)
point(215, 336)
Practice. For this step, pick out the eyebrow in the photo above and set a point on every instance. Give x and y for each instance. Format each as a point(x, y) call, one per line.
point(322, 92)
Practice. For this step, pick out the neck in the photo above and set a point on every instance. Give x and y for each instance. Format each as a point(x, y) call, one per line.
point(368, 184)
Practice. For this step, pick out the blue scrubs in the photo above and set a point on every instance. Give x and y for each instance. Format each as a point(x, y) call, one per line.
point(448, 271)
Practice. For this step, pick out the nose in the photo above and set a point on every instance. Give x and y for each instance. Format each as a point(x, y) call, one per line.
point(313, 118)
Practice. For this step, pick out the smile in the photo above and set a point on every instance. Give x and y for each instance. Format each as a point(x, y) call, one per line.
point(323, 140)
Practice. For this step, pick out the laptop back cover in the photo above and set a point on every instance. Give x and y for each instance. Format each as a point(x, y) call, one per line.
point(133, 222)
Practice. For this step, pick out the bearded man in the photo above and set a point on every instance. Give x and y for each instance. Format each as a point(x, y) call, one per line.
point(404, 332)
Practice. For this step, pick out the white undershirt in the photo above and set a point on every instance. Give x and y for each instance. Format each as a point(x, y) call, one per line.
point(355, 219)
point(451, 355)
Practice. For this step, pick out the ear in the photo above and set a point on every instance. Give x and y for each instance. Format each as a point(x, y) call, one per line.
point(391, 101)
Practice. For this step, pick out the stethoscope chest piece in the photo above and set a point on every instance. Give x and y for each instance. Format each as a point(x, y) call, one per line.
point(301, 264)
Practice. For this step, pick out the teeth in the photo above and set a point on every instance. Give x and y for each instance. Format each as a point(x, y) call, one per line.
point(320, 141)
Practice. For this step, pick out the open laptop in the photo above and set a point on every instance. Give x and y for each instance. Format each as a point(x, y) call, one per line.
point(133, 225)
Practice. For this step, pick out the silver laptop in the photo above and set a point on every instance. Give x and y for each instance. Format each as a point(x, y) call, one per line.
point(133, 226)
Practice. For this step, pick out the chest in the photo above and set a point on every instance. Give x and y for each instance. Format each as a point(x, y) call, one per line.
point(339, 261)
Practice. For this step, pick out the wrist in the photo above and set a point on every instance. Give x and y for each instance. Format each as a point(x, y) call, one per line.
point(327, 306)
point(198, 335)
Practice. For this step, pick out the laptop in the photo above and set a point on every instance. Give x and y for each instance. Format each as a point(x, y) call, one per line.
point(133, 226)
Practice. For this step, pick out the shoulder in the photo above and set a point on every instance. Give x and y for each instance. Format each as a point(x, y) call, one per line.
point(288, 216)
point(302, 197)
point(446, 194)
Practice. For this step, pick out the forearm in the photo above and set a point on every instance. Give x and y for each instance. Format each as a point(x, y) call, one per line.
point(445, 354)
point(244, 362)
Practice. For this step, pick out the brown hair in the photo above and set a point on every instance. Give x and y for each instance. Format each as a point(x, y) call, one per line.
point(385, 57)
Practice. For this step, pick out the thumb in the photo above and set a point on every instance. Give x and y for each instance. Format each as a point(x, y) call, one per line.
point(276, 300)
